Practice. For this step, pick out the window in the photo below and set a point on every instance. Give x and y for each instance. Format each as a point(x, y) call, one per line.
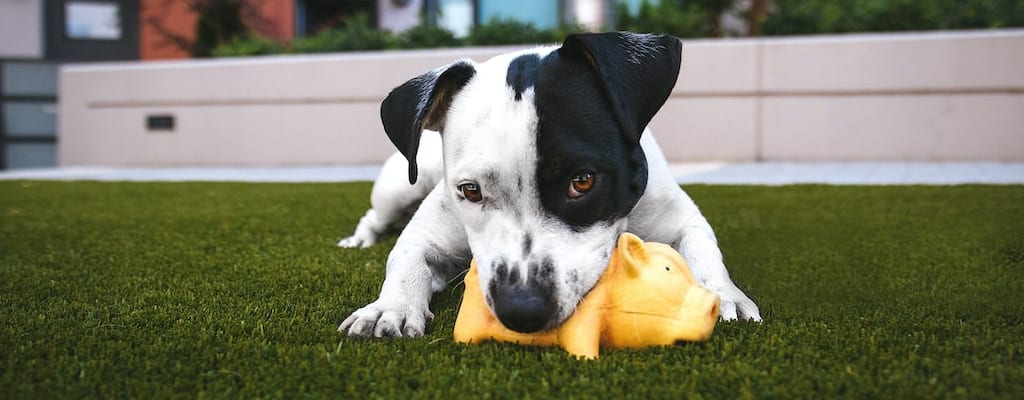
point(92, 20)
point(456, 16)
point(28, 114)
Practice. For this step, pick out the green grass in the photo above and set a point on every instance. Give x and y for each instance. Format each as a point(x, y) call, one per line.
point(143, 290)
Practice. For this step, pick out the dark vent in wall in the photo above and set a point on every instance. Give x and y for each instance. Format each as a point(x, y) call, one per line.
point(160, 122)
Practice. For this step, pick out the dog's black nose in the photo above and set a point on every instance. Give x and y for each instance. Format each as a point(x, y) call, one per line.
point(521, 308)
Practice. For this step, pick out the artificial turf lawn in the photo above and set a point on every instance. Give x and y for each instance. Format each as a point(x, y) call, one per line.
point(152, 290)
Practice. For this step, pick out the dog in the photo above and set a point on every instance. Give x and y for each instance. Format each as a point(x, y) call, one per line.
point(533, 163)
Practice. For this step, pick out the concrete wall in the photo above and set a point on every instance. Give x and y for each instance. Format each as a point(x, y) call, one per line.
point(21, 29)
point(919, 97)
point(933, 96)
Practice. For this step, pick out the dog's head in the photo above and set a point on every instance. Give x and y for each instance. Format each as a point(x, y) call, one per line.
point(542, 160)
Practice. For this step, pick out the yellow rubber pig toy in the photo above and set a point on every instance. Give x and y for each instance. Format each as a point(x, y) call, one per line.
point(646, 297)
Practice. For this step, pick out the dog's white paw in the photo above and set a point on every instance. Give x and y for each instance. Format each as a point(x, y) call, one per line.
point(735, 305)
point(387, 319)
point(357, 240)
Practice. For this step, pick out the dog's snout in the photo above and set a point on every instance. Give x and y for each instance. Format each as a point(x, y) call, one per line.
point(522, 308)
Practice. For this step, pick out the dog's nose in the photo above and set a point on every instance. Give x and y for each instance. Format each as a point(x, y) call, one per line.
point(521, 308)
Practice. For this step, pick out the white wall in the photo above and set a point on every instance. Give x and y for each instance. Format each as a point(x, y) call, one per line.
point(21, 28)
point(934, 96)
point(918, 97)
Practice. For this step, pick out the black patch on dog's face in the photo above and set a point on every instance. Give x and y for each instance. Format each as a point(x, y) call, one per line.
point(522, 72)
point(578, 133)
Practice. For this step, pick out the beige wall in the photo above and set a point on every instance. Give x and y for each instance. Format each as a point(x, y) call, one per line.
point(913, 97)
point(21, 29)
point(936, 96)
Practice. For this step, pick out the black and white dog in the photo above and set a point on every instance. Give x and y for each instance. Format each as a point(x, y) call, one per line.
point(542, 160)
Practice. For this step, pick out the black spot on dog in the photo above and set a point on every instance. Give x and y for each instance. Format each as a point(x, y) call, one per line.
point(544, 270)
point(498, 193)
point(513, 276)
point(527, 245)
point(446, 263)
point(678, 243)
point(506, 274)
point(573, 277)
point(491, 176)
point(501, 270)
point(522, 73)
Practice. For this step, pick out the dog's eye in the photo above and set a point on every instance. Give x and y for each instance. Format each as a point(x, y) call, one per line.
point(580, 184)
point(471, 192)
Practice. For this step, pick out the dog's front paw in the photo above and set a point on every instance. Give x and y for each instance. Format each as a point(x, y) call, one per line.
point(386, 319)
point(736, 305)
point(357, 240)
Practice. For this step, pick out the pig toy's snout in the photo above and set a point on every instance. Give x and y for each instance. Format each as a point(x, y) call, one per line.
point(699, 314)
point(713, 310)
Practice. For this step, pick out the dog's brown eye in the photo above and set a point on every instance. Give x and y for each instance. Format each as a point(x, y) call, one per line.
point(580, 184)
point(471, 192)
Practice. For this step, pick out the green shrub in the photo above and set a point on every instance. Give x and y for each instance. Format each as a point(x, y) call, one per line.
point(692, 18)
point(249, 45)
point(356, 34)
point(557, 35)
point(688, 20)
point(218, 22)
point(426, 36)
point(791, 17)
point(507, 31)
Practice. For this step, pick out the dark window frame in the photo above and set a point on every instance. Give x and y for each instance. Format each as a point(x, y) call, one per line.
point(59, 46)
point(6, 138)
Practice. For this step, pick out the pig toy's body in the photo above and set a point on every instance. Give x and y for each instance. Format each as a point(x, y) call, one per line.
point(646, 297)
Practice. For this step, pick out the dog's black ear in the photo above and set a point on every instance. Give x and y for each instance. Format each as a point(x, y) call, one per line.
point(638, 72)
point(422, 103)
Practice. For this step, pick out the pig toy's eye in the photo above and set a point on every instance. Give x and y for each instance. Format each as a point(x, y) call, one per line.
point(667, 268)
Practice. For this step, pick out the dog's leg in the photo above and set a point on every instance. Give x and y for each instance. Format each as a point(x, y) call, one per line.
point(370, 227)
point(667, 214)
point(393, 200)
point(429, 253)
point(699, 247)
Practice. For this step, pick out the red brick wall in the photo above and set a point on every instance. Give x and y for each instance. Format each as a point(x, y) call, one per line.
point(175, 17)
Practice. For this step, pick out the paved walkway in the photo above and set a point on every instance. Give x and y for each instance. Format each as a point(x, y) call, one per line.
point(768, 173)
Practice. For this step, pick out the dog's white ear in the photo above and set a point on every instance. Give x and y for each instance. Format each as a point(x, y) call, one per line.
point(422, 103)
point(638, 72)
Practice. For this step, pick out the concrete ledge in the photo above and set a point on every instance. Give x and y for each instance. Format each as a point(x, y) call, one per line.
point(947, 127)
point(980, 61)
point(772, 173)
point(920, 96)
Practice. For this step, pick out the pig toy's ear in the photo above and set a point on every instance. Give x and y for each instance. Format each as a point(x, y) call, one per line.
point(632, 254)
